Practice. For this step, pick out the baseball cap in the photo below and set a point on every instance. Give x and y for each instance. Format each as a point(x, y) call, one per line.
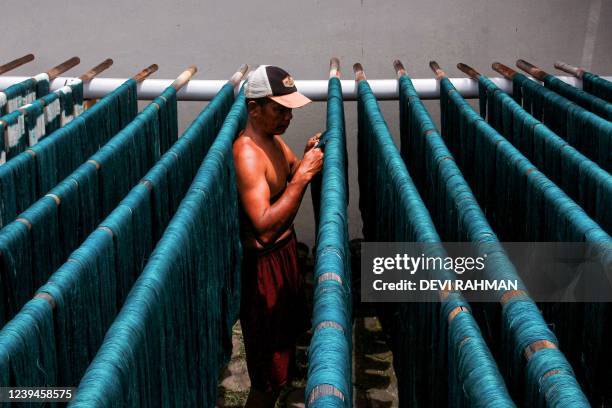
point(272, 82)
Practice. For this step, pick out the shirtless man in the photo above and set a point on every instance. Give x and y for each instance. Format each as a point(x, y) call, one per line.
point(271, 184)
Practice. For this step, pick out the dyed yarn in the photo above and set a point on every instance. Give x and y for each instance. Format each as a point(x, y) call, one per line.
point(89, 289)
point(520, 202)
point(173, 334)
point(14, 134)
point(32, 122)
point(71, 100)
point(458, 217)
point(63, 218)
point(330, 363)
point(432, 363)
point(523, 205)
point(20, 340)
point(31, 174)
point(22, 93)
point(596, 85)
point(13, 127)
point(582, 98)
point(587, 132)
point(583, 180)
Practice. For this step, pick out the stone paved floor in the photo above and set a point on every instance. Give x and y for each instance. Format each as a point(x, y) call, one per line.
point(374, 382)
point(234, 382)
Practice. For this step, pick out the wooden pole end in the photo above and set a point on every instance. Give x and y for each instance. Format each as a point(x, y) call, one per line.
point(570, 69)
point(334, 67)
point(16, 63)
point(63, 67)
point(358, 70)
point(466, 69)
point(399, 68)
point(238, 75)
point(184, 77)
point(142, 75)
point(531, 69)
point(504, 70)
point(98, 69)
point(437, 70)
point(192, 69)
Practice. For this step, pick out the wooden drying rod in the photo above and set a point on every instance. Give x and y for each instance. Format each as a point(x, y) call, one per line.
point(334, 68)
point(466, 69)
point(570, 69)
point(531, 69)
point(437, 70)
point(238, 75)
point(185, 76)
point(359, 73)
point(400, 71)
point(205, 90)
point(97, 70)
point(9, 66)
point(63, 67)
point(506, 72)
point(145, 73)
point(86, 77)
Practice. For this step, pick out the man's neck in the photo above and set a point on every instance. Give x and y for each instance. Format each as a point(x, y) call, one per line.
point(257, 134)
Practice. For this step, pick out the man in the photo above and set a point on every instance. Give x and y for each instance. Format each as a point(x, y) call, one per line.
point(271, 185)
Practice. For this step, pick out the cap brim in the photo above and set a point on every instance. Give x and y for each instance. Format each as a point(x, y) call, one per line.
point(292, 100)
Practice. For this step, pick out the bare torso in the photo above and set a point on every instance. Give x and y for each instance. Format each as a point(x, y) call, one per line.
point(276, 156)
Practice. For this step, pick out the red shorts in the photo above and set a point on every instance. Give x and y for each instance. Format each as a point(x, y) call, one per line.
point(273, 312)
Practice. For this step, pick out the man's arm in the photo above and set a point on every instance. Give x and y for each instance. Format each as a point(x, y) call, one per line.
point(270, 221)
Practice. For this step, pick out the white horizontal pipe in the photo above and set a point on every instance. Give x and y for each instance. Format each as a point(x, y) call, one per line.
point(205, 90)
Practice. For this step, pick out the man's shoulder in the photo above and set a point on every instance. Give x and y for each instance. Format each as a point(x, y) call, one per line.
point(246, 149)
point(244, 142)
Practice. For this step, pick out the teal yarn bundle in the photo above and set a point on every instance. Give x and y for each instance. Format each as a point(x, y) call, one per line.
point(582, 98)
point(22, 93)
point(71, 101)
point(559, 390)
point(133, 257)
point(33, 121)
point(64, 217)
point(522, 204)
point(583, 180)
point(433, 367)
point(89, 289)
point(71, 145)
point(520, 201)
point(173, 333)
point(330, 363)
point(31, 174)
point(587, 132)
point(596, 85)
point(458, 217)
point(52, 113)
point(20, 339)
point(14, 133)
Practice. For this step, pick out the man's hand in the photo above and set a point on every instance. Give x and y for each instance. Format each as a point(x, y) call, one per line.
point(312, 142)
point(311, 164)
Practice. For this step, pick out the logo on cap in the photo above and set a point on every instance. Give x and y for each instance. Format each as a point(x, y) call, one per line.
point(288, 82)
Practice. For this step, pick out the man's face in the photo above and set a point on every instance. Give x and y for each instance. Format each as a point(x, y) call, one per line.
point(271, 117)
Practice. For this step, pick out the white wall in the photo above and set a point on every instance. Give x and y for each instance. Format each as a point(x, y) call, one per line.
point(301, 36)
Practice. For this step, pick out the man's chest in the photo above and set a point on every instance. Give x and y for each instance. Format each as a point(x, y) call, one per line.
point(277, 171)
